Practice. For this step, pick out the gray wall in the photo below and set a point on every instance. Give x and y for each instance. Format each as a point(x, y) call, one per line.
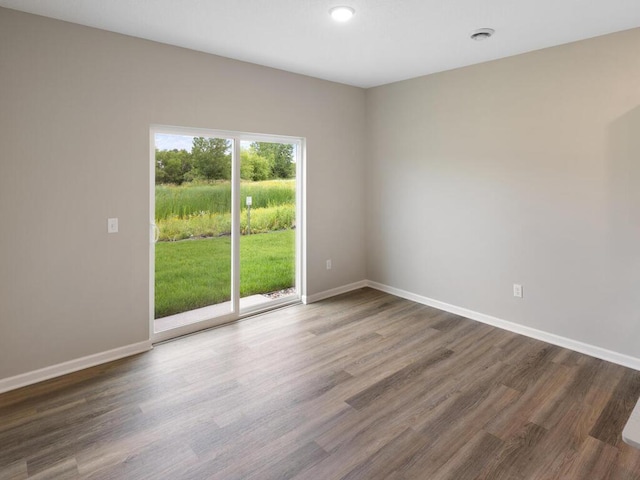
point(523, 170)
point(75, 109)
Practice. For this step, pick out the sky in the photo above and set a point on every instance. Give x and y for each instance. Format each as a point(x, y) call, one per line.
point(167, 141)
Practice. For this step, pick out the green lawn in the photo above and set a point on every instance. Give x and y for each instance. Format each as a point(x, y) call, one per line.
point(195, 273)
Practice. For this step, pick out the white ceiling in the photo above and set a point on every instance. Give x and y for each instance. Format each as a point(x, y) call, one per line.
point(386, 41)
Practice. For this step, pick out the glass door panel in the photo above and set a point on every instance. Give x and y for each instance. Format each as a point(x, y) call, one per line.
point(193, 226)
point(267, 223)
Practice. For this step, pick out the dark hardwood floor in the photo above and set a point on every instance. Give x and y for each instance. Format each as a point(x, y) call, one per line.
point(360, 386)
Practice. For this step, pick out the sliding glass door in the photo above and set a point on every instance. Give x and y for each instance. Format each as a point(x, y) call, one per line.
point(226, 237)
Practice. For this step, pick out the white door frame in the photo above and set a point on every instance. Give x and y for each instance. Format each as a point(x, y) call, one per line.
point(300, 242)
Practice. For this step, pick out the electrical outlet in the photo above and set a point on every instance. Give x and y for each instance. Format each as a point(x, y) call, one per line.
point(329, 264)
point(517, 290)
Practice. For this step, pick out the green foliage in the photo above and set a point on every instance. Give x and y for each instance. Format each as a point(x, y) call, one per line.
point(189, 199)
point(197, 225)
point(205, 224)
point(254, 167)
point(280, 157)
point(269, 219)
point(197, 273)
point(269, 193)
point(211, 158)
point(172, 165)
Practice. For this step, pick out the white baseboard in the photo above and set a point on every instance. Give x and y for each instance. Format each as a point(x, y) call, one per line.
point(316, 297)
point(587, 349)
point(46, 373)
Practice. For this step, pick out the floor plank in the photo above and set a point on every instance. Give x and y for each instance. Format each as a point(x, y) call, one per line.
point(360, 386)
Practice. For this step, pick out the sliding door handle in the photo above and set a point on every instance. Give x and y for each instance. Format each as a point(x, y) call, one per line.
point(156, 233)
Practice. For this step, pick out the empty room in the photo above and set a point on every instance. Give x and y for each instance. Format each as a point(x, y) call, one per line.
point(320, 240)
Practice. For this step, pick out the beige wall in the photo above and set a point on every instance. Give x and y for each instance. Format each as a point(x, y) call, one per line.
point(523, 170)
point(75, 109)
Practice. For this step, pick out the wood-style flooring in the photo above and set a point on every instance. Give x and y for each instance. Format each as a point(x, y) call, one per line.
point(361, 386)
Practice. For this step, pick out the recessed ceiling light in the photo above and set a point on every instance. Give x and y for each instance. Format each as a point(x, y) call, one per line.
point(342, 13)
point(482, 34)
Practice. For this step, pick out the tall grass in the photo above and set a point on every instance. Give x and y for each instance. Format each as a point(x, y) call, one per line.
point(205, 224)
point(190, 199)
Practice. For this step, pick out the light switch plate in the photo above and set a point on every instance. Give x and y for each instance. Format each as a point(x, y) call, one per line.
point(112, 225)
point(517, 290)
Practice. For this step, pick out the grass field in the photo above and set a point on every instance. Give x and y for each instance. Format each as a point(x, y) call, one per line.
point(204, 224)
point(185, 200)
point(195, 211)
point(196, 273)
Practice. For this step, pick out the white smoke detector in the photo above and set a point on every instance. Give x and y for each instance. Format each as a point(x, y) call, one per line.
point(482, 34)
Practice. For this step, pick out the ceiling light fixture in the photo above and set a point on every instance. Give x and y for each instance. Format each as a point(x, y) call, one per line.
point(342, 13)
point(482, 34)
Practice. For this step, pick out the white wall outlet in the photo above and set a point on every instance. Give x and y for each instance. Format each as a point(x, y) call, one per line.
point(329, 264)
point(517, 290)
point(112, 225)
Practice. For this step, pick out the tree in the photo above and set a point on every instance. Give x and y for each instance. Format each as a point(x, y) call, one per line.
point(172, 166)
point(280, 157)
point(211, 158)
point(253, 166)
